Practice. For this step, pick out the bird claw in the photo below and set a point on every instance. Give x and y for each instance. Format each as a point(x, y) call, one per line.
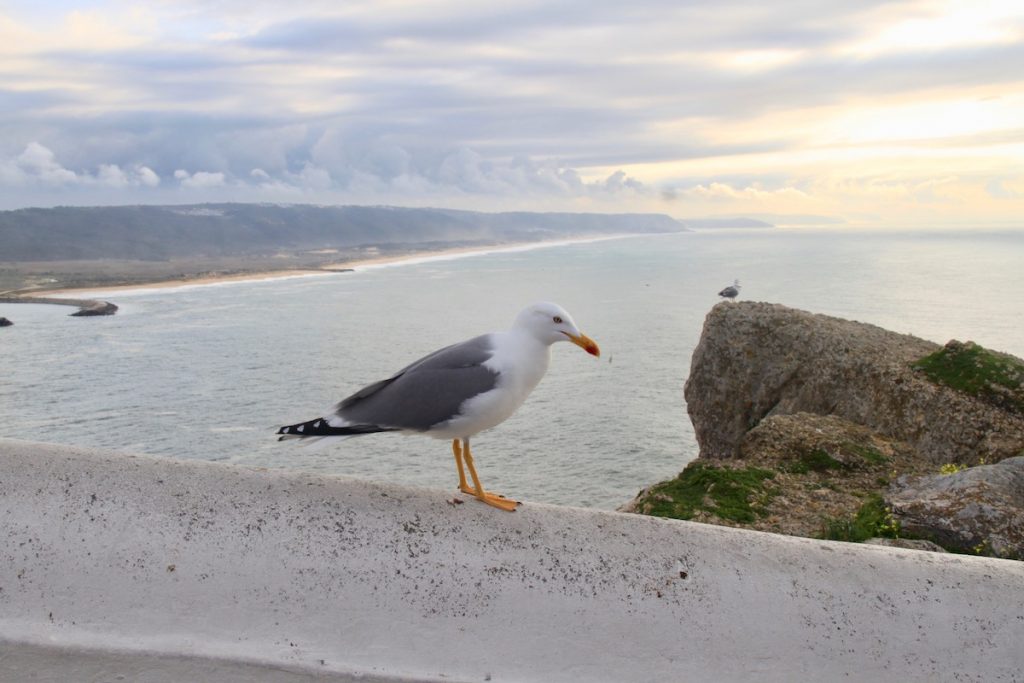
point(493, 499)
point(500, 503)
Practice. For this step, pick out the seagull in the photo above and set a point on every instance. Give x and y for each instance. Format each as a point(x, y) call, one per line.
point(732, 291)
point(457, 392)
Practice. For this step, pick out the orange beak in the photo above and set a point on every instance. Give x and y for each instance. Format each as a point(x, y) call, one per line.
point(585, 343)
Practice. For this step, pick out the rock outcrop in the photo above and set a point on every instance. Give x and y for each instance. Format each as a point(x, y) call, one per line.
point(815, 426)
point(978, 509)
point(90, 307)
point(795, 473)
point(756, 360)
point(4, 322)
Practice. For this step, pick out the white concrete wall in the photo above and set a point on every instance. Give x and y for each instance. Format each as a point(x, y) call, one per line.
point(161, 570)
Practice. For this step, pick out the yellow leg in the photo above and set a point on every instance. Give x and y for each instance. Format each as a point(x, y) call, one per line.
point(493, 499)
point(458, 463)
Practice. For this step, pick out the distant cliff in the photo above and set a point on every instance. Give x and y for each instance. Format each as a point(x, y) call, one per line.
point(157, 233)
point(714, 223)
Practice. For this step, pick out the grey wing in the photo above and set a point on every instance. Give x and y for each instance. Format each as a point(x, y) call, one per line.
point(427, 392)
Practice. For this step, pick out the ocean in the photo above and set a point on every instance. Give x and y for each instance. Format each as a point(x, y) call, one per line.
point(209, 372)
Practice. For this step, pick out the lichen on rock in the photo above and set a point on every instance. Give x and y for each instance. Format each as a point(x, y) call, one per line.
point(976, 510)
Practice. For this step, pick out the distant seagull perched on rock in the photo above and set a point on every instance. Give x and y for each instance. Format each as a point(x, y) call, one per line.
point(458, 391)
point(732, 291)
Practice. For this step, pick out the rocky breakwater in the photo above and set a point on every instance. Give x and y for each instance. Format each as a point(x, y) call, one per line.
point(817, 426)
point(86, 307)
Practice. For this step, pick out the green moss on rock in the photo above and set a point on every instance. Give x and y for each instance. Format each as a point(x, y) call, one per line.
point(816, 460)
point(734, 494)
point(869, 454)
point(991, 376)
point(872, 520)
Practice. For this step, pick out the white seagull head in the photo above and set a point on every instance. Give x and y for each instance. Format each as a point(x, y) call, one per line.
point(549, 323)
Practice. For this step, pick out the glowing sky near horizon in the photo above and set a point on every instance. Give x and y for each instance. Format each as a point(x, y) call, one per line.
point(862, 112)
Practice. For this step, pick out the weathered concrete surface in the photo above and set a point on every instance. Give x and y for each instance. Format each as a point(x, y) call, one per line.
point(191, 564)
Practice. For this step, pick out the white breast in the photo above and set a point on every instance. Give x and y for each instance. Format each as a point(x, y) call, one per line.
point(520, 361)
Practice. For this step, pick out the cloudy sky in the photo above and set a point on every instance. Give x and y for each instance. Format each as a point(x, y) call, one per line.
point(881, 113)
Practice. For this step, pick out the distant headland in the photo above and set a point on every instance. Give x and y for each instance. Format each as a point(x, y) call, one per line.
point(92, 247)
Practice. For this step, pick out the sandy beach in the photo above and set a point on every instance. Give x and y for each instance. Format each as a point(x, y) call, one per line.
point(242, 274)
point(357, 264)
point(197, 281)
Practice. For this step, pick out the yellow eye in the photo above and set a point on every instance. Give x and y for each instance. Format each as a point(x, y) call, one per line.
point(558, 320)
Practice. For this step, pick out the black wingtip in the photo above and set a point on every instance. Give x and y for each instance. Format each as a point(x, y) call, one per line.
point(320, 427)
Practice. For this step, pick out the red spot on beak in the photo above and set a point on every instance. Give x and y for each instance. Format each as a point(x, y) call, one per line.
point(585, 343)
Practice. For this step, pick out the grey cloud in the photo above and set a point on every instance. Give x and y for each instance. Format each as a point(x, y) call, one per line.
point(586, 86)
point(315, 34)
point(670, 24)
point(30, 100)
point(908, 72)
point(408, 101)
point(380, 170)
point(149, 60)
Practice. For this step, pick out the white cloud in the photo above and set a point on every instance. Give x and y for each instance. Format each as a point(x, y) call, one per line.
point(200, 179)
point(147, 176)
point(37, 165)
point(313, 177)
point(112, 175)
point(940, 25)
point(751, 193)
point(619, 181)
point(39, 162)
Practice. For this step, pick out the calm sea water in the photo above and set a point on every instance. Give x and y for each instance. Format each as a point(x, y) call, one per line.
point(209, 372)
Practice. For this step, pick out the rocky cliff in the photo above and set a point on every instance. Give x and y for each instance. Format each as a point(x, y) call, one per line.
point(815, 426)
point(755, 360)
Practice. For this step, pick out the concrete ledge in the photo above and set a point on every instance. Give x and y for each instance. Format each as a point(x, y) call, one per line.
point(118, 564)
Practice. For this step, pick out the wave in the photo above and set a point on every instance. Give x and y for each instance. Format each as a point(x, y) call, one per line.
point(472, 252)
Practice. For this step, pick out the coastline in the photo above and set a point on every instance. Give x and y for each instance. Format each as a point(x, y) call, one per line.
point(179, 283)
point(342, 266)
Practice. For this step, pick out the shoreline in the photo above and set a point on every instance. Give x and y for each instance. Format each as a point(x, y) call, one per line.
point(356, 265)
